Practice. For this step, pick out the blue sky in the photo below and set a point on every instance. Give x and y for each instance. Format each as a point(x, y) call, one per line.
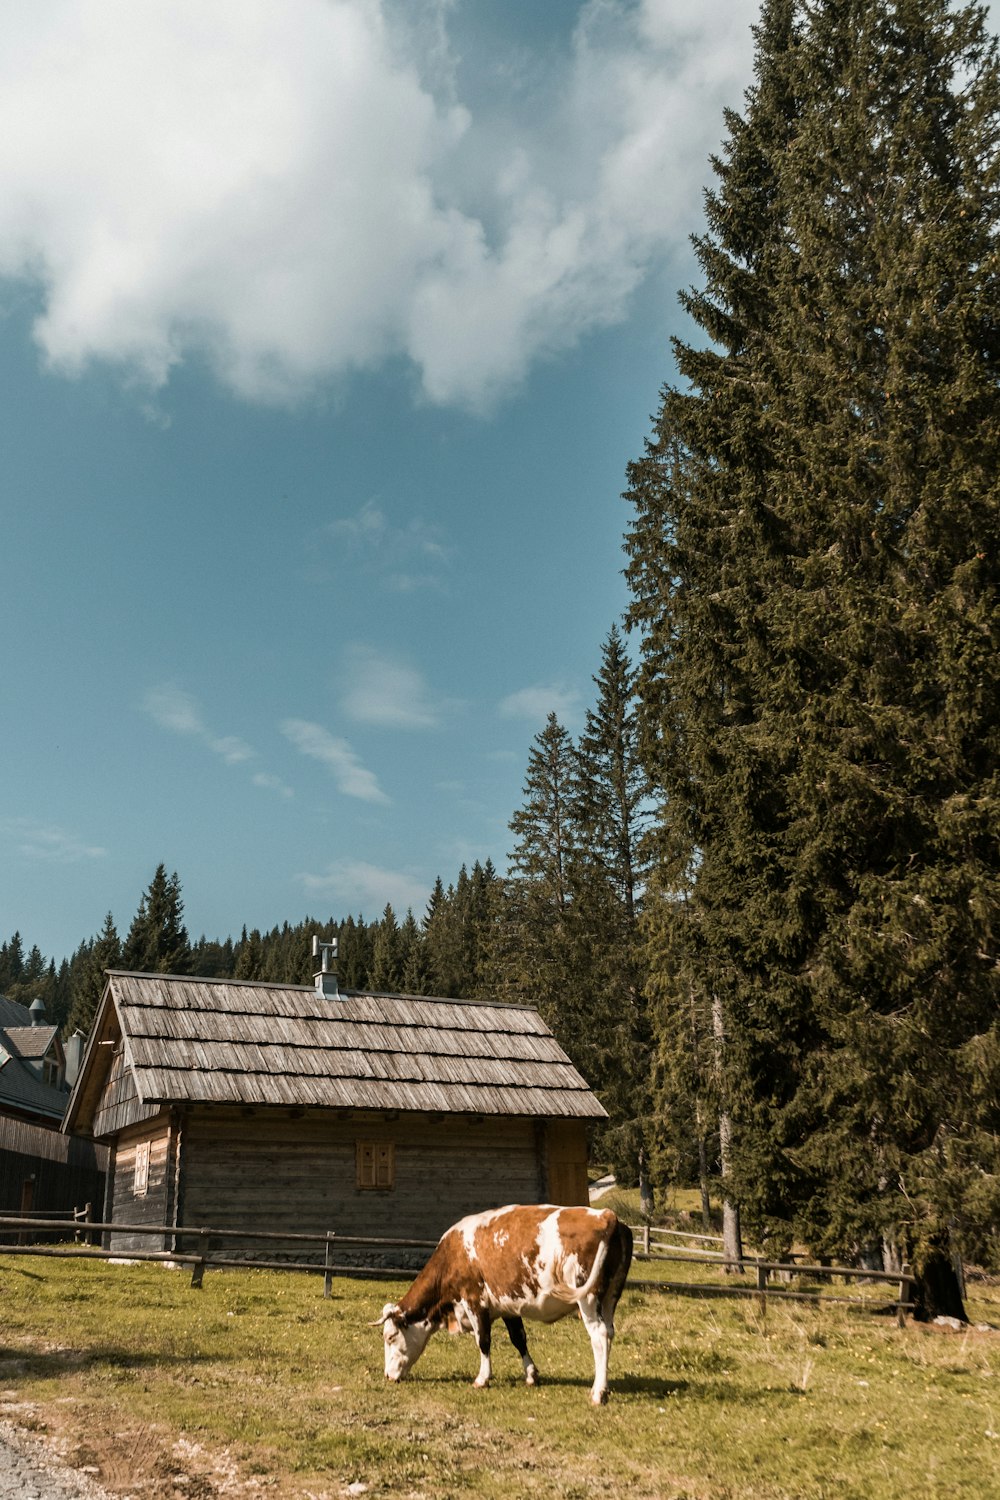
point(327, 329)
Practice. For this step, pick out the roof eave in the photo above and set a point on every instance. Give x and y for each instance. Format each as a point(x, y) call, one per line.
point(86, 1089)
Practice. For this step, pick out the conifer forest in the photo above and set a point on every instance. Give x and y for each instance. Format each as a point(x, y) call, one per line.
point(757, 897)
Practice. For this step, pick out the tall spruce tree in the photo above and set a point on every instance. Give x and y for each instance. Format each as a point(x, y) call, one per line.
point(157, 941)
point(610, 804)
point(536, 959)
point(11, 963)
point(387, 957)
point(814, 568)
point(88, 980)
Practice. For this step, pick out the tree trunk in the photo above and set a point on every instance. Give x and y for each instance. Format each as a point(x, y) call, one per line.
point(645, 1191)
point(732, 1239)
point(706, 1201)
point(938, 1292)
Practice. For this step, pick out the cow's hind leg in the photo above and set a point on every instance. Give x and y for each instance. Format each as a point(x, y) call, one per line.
point(600, 1342)
point(518, 1337)
point(484, 1332)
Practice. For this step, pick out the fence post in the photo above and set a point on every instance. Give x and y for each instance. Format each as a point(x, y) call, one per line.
point(645, 1239)
point(328, 1265)
point(761, 1283)
point(905, 1282)
point(85, 1217)
point(198, 1270)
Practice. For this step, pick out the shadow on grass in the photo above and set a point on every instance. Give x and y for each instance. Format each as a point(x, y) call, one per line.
point(49, 1366)
point(626, 1385)
point(650, 1387)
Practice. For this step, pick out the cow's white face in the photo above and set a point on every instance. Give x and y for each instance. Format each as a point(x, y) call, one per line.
point(403, 1344)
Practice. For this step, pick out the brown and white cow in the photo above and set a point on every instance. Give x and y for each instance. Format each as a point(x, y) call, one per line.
point(522, 1261)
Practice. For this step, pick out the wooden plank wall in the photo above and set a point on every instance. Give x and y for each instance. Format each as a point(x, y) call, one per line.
point(68, 1171)
point(274, 1171)
point(156, 1206)
point(119, 1106)
point(566, 1158)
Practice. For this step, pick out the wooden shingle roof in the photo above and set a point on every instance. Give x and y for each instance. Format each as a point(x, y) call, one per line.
point(22, 1089)
point(233, 1042)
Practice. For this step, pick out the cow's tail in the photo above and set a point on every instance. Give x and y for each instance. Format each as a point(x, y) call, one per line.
point(601, 1256)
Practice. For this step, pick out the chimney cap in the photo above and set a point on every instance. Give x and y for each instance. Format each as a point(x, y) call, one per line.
point(326, 977)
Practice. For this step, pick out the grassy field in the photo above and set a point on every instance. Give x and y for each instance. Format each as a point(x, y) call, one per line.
point(257, 1386)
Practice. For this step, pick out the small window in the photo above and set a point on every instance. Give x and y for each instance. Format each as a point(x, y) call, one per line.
point(376, 1165)
point(141, 1183)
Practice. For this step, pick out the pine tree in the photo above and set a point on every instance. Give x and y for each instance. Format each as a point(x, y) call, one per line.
point(543, 826)
point(157, 941)
point(814, 567)
point(249, 962)
point(11, 963)
point(386, 970)
point(412, 957)
point(88, 983)
point(610, 805)
point(540, 965)
point(610, 785)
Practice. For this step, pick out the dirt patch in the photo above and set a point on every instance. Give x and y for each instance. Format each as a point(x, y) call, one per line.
point(137, 1462)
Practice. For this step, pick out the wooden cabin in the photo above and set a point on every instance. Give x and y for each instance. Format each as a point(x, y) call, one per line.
point(282, 1107)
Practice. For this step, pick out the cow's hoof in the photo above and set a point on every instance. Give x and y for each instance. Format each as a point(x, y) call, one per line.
point(480, 1385)
point(599, 1398)
point(532, 1378)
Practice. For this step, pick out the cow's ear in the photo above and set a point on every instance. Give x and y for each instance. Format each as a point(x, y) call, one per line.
point(389, 1314)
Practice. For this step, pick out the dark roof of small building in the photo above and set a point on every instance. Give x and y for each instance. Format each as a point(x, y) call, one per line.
point(21, 1090)
point(13, 1013)
point(210, 1041)
point(29, 1041)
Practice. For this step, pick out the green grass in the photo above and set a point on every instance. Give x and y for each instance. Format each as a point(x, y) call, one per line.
point(255, 1385)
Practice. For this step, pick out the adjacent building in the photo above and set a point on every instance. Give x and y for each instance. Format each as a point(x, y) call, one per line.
point(41, 1170)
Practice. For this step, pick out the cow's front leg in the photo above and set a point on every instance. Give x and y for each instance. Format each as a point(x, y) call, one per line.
point(518, 1337)
point(600, 1342)
point(484, 1332)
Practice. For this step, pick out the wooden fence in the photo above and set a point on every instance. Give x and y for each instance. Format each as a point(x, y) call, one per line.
point(207, 1243)
point(653, 1244)
point(208, 1246)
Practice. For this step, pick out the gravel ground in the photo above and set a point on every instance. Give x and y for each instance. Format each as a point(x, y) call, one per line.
point(29, 1472)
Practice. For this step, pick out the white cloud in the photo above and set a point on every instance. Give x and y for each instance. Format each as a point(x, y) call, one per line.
point(47, 842)
point(295, 191)
point(540, 700)
point(174, 709)
point(405, 557)
point(233, 751)
point(352, 778)
point(386, 692)
point(360, 887)
point(272, 784)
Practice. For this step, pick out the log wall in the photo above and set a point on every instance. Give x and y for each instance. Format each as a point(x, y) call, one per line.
point(275, 1171)
point(156, 1205)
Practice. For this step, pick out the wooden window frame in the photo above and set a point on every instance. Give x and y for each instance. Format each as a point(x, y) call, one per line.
point(140, 1179)
point(375, 1166)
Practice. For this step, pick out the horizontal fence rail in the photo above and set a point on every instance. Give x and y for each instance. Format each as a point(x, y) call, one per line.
point(650, 1247)
point(206, 1242)
point(208, 1239)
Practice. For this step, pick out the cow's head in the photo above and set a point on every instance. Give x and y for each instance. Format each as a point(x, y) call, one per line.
point(404, 1342)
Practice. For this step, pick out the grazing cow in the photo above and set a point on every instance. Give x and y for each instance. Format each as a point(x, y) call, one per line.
point(517, 1262)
